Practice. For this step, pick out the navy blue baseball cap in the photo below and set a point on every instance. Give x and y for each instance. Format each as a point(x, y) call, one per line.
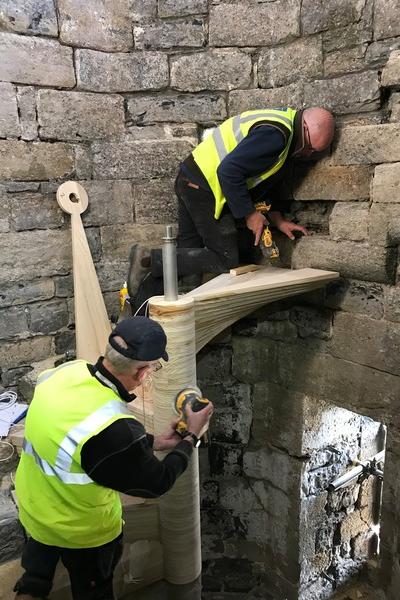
point(145, 338)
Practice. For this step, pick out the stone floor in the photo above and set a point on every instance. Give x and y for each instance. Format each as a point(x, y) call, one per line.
point(359, 592)
point(159, 592)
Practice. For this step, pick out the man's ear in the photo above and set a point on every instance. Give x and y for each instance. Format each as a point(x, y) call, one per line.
point(141, 373)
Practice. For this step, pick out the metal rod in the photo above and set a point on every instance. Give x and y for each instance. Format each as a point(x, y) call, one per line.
point(354, 473)
point(170, 271)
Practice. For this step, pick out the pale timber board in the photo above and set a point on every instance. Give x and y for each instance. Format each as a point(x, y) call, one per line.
point(264, 279)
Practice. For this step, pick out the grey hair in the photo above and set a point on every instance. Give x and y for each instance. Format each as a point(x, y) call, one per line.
point(122, 364)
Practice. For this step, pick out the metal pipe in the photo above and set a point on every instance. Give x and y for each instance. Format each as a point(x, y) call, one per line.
point(170, 271)
point(368, 467)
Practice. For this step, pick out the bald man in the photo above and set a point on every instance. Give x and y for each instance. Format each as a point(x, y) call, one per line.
point(246, 161)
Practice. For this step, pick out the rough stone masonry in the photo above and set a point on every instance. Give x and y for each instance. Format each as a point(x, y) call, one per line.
point(114, 95)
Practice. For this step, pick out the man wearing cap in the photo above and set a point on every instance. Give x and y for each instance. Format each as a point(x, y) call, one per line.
point(82, 446)
point(225, 187)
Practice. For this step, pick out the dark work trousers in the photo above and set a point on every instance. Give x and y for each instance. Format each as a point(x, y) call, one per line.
point(90, 569)
point(205, 244)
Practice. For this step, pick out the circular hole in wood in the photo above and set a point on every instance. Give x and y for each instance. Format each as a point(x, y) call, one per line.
point(74, 198)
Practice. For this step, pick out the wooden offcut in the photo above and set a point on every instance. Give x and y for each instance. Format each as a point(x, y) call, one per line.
point(91, 321)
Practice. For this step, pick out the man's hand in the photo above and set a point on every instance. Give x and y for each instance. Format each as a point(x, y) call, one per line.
point(256, 222)
point(168, 439)
point(287, 227)
point(197, 422)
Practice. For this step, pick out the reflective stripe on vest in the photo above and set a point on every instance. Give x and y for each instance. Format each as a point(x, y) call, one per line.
point(71, 441)
point(212, 150)
point(48, 469)
point(85, 428)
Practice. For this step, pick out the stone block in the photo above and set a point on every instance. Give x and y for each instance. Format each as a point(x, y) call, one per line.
point(352, 526)
point(384, 224)
point(26, 97)
point(24, 352)
point(301, 59)
point(349, 221)
point(230, 426)
point(356, 296)
point(319, 375)
point(12, 376)
point(243, 24)
point(378, 53)
point(320, 15)
point(354, 93)
point(144, 9)
point(225, 69)
point(277, 413)
point(34, 161)
point(12, 538)
point(386, 22)
point(392, 304)
point(372, 441)
point(187, 33)
point(112, 275)
point(386, 183)
point(13, 322)
point(380, 342)
point(110, 202)
point(27, 383)
point(276, 330)
point(178, 108)
point(214, 364)
point(94, 241)
point(30, 254)
point(79, 116)
point(350, 259)
point(391, 72)
point(105, 26)
point(312, 215)
point(32, 60)
point(225, 459)
point(9, 122)
point(237, 495)
point(49, 317)
point(63, 286)
point(326, 182)
point(25, 292)
point(274, 466)
point(121, 72)
point(117, 240)
point(34, 211)
point(394, 107)
point(314, 322)
point(348, 36)
point(155, 201)
point(138, 161)
point(29, 16)
point(242, 100)
point(179, 8)
point(368, 144)
point(345, 61)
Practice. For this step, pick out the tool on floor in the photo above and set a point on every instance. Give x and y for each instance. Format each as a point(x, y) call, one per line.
point(268, 247)
point(190, 396)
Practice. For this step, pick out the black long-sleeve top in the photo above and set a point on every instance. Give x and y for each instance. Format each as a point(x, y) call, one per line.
point(255, 154)
point(121, 457)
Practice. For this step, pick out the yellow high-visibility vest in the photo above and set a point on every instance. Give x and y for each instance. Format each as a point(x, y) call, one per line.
point(209, 154)
point(59, 504)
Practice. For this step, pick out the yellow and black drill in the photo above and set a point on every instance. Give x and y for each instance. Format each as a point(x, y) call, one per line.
point(268, 247)
point(190, 396)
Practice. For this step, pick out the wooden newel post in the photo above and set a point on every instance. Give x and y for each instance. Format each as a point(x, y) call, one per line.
point(180, 507)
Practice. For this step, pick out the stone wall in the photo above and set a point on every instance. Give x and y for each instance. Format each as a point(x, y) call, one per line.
point(114, 95)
